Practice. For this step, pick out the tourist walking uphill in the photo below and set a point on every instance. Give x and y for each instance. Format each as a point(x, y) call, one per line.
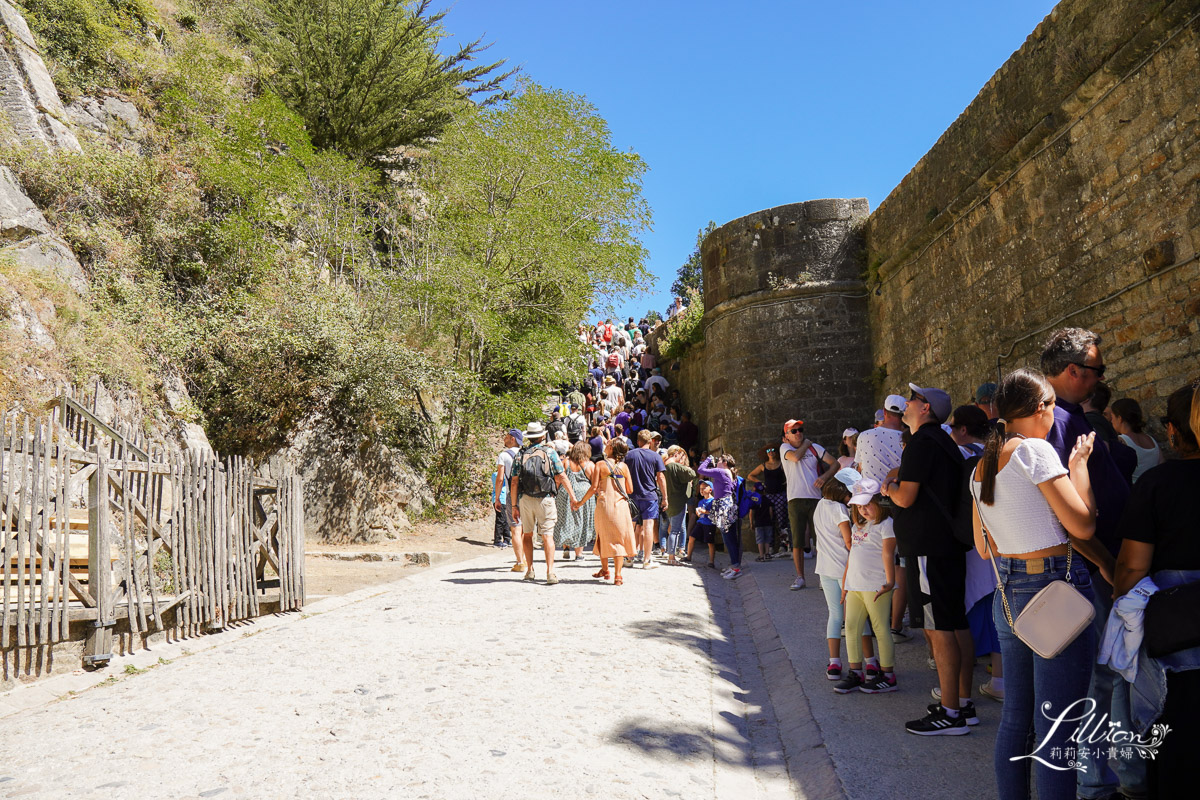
point(611, 486)
point(536, 471)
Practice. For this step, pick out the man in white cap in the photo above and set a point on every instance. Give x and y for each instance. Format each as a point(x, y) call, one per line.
point(878, 454)
point(535, 473)
point(879, 448)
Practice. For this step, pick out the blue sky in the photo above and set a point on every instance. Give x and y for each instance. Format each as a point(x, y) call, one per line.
point(741, 107)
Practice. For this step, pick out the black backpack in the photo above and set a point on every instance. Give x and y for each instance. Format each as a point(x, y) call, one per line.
point(574, 428)
point(537, 477)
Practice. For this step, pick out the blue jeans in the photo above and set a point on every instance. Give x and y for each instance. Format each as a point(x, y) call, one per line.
point(733, 543)
point(1111, 693)
point(1035, 686)
point(673, 538)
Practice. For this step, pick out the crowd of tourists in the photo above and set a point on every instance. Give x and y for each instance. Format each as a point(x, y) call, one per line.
point(1042, 487)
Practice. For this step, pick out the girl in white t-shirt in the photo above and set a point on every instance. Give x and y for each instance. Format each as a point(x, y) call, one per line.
point(831, 526)
point(867, 587)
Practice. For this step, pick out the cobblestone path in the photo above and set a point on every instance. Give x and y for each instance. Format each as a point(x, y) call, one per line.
point(462, 682)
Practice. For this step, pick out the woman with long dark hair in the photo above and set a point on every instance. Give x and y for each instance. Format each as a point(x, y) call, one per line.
point(1158, 539)
point(1028, 509)
point(611, 486)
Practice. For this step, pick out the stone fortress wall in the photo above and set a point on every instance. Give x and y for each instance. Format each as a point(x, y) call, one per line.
point(1067, 193)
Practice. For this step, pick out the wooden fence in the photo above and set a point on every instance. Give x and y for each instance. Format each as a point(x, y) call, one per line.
point(98, 526)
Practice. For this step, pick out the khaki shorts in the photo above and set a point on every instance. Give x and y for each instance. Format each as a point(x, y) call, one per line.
point(538, 514)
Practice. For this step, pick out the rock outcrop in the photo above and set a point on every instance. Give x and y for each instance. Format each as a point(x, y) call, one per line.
point(27, 238)
point(28, 96)
point(354, 494)
point(115, 120)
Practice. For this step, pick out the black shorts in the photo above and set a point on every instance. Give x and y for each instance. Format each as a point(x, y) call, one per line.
point(948, 591)
point(704, 534)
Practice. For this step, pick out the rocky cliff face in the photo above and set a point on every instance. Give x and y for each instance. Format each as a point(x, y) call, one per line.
point(353, 491)
point(28, 96)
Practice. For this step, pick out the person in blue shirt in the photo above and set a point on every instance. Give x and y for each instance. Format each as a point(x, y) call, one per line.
point(703, 530)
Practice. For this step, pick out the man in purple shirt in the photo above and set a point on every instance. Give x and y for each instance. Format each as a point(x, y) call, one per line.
point(1072, 364)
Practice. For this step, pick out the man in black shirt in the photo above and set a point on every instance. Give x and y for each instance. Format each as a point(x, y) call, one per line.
point(924, 490)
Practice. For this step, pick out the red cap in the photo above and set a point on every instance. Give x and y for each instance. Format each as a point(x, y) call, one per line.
point(792, 422)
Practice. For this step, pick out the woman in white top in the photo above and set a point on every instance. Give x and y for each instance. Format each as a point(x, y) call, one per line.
point(1128, 422)
point(1031, 507)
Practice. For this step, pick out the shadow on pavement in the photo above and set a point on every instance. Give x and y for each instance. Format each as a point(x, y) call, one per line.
point(684, 744)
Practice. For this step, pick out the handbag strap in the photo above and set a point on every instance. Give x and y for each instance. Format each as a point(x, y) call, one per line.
point(612, 473)
point(987, 545)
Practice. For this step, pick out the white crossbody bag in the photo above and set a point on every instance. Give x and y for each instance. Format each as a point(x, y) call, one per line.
point(1054, 617)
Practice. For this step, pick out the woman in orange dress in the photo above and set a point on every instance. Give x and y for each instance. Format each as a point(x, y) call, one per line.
point(611, 486)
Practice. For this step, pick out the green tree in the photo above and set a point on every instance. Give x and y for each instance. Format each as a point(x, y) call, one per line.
point(691, 273)
point(533, 215)
point(366, 75)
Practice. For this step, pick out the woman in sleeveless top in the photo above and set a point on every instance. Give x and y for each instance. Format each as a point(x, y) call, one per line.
point(573, 529)
point(611, 486)
point(770, 474)
point(1030, 508)
point(1130, 425)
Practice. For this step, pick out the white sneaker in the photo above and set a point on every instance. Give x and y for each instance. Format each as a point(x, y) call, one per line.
point(987, 690)
point(797, 584)
point(733, 573)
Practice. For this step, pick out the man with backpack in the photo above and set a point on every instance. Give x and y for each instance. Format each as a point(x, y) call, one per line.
point(576, 424)
point(925, 492)
point(536, 472)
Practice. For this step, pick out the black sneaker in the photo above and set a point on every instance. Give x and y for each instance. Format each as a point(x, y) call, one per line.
point(879, 684)
point(938, 723)
point(848, 684)
point(966, 711)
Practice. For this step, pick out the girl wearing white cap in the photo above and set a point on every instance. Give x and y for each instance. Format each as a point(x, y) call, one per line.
point(867, 588)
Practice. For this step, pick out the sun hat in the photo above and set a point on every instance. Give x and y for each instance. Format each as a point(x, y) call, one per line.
point(848, 476)
point(894, 403)
point(609, 379)
point(864, 491)
point(849, 432)
point(534, 430)
point(939, 401)
point(790, 423)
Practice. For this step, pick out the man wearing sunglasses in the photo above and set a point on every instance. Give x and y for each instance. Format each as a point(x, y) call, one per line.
point(806, 468)
point(1073, 365)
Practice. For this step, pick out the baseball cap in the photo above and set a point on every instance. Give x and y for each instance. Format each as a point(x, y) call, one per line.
point(864, 491)
point(516, 434)
point(848, 476)
point(791, 423)
point(849, 432)
point(986, 391)
point(879, 415)
point(894, 403)
point(939, 401)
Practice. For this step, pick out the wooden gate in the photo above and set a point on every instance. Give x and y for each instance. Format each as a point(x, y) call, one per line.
point(97, 526)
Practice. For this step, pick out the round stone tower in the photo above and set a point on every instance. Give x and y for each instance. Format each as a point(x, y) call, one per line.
point(785, 323)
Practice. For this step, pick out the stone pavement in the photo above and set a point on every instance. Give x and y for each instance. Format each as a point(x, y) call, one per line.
point(462, 681)
point(864, 734)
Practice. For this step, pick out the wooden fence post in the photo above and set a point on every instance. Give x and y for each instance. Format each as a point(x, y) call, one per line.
point(97, 650)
